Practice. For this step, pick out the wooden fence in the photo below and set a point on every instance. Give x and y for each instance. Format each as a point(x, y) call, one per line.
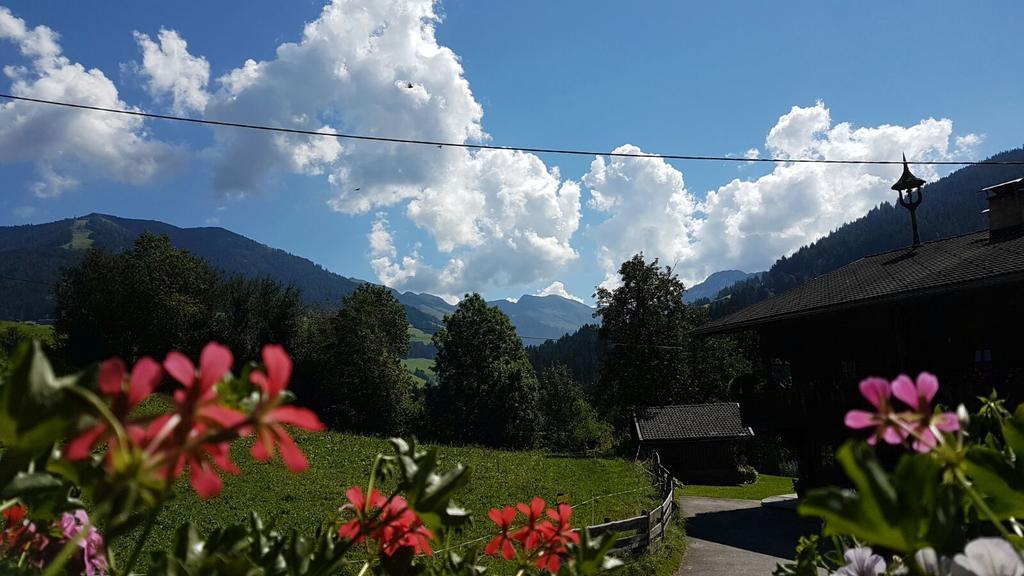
point(637, 533)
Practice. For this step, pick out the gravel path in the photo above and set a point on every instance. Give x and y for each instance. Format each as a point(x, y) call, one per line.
point(737, 537)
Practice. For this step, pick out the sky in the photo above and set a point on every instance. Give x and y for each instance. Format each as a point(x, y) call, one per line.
point(867, 80)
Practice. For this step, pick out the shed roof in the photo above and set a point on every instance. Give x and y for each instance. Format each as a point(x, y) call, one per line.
point(719, 420)
point(956, 263)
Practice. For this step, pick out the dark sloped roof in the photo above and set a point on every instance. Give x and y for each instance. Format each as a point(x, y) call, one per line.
point(952, 264)
point(691, 422)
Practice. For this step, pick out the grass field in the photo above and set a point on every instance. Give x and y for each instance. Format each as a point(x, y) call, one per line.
point(766, 485)
point(417, 335)
point(414, 364)
point(29, 329)
point(338, 461)
point(81, 237)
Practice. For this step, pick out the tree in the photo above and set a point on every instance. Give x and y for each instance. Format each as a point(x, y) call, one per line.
point(644, 326)
point(251, 312)
point(569, 422)
point(487, 390)
point(145, 301)
point(351, 363)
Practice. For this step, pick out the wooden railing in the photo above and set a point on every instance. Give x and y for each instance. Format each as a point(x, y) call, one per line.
point(637, 533)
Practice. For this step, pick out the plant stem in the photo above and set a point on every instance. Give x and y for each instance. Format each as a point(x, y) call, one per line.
point(979, 502)
point(146, 531)
point(57, 566)
point(366, 566)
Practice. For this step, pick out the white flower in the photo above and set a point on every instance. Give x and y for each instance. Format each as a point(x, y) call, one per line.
point(988, 557)
point(932, 564)
point(861, 562)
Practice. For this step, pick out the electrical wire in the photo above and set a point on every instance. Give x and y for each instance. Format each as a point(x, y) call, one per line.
point(536, 150)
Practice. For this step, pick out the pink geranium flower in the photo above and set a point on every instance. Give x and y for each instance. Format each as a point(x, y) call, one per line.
point(271, 435)
point(878, 392)
point(124, 395)
point(918, 396)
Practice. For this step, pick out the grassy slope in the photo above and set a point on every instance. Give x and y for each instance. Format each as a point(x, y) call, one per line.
point(338, 461)
point(30, 330)
point(417, 335)
point(765, 486)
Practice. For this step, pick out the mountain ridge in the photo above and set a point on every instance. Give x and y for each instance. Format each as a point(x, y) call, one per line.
point(32, 255)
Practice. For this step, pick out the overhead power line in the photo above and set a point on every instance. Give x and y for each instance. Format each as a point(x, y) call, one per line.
point(442, 144)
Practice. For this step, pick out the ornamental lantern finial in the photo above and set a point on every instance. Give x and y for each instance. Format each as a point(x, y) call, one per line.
point(905, 187)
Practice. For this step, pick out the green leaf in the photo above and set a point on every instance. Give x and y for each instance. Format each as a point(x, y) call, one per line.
point(1013, 432)
point(36, 409)
point(1001, 482)
point(873, 513)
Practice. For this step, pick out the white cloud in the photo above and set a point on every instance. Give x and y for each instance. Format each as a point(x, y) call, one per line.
point(752, 154)
point(374, 67)
point(172, 71)
point(69, 145)
point(556, 288)
point(747, 224)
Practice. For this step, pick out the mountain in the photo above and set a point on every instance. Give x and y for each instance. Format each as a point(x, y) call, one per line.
point(951, 206)
point(714, 284)
point(539, 317)
point(32, 257)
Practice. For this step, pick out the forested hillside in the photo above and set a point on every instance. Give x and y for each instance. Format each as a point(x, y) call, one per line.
point(952, 205)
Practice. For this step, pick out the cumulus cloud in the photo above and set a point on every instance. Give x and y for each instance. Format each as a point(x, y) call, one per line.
point(501, 218)
point(172, 72)
point(747, 224)
point(556, 288)
point(64, 144)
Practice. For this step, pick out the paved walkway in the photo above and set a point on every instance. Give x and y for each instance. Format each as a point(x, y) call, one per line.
point(737, 537)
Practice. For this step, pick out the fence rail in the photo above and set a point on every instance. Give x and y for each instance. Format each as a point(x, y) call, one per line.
point(648, 527)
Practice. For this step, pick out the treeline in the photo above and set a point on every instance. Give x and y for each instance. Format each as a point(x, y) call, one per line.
point(574, 394)
point(952, 206)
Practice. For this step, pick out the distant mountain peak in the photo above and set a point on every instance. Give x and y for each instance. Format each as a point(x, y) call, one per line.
point(714, 284)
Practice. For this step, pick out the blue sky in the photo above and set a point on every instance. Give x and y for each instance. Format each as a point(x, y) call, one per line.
point(820, 79)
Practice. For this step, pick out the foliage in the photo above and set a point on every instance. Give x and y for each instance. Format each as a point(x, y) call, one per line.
point(644, 324)
point(951, 493)
point(568, 422)
point(12, 334)
point(177, 302)
point(352, 363)
point(83, 435)
point(579, 351)
point(764, 486)
point(487, 391)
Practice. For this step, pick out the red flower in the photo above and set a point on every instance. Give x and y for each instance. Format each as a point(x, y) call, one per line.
point(529, 534)
point(556, 537)
point(124, 396)
point(399, 527)
point(270, 418)
point(388, 521)
point(358, 528)
point(182, 436)
point(503, 518)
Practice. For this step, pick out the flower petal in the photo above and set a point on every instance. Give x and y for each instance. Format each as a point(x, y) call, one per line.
point(355, 497)
point(146, 375)
point(214, 361)
point(905, 389)
point(492, 547)
point(263, 449)
point(495, 515)
point(946, 421)
point(875, 390)
point(223, 415)
point(180, 368)
point(81, 446)
point(927, 385)
point(861, 419)
point(290, 453)
point(279, 368)
point(205, 481)
point(299, 417)
point(111, 377)
point(893, 435)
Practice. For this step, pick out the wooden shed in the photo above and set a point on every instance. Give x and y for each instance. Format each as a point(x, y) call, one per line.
point(697, 442)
